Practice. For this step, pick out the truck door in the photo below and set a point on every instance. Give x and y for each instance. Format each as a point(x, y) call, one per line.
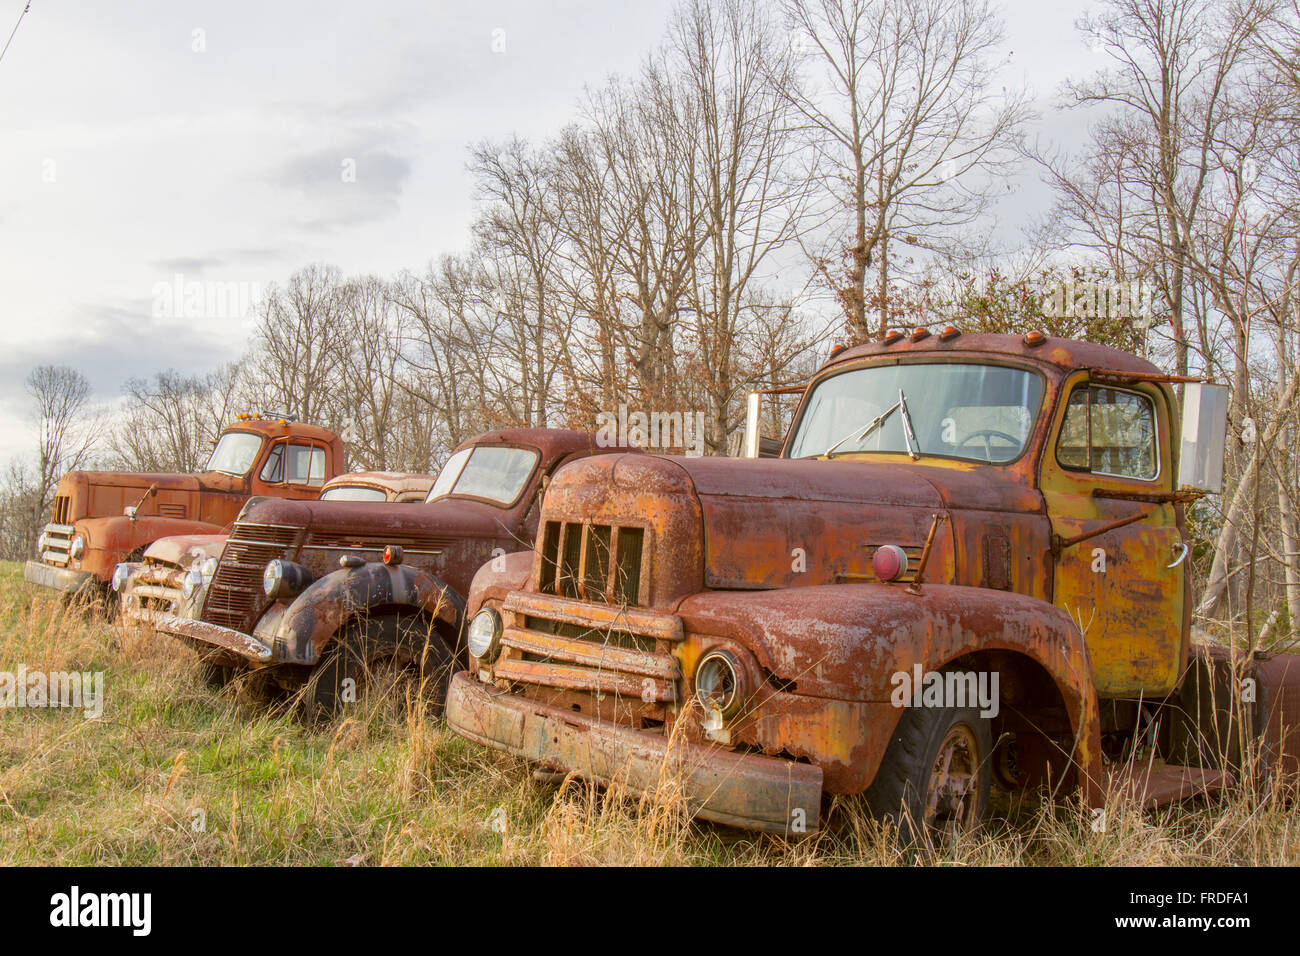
point(296, 467)
point(1110, 461)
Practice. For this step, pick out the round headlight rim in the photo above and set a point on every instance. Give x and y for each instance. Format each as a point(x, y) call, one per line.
point(493, 649)
point(191, 582)
point(121, 574)
point(732, 704)
point(76, 547)
point(271, 583)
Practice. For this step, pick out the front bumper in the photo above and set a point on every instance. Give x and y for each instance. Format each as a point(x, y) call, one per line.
point(69, 580)
point(743, 790)
point(231, 646)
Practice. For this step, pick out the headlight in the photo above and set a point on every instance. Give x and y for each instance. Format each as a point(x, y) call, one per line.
point(77, 548)
point(120, 574)
point(484, 635)
point(283, 580)
point(208, 568)
point(42, 542)
point(192, 581)
point(720, 682)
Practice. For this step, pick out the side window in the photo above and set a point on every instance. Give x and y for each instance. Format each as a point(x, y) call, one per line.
point(273, 470)
point(1108, 431)
point(295, 465)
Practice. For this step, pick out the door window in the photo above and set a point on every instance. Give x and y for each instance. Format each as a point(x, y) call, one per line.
point(1108, 431)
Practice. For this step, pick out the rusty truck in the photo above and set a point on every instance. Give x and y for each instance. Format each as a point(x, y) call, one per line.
point(949, 514)
point(173, 574)
point(311, 595)
point(102, 518)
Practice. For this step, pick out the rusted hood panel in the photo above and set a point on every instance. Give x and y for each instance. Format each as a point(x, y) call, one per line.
point(862, 634)
point(184, 550)
point(447, 517)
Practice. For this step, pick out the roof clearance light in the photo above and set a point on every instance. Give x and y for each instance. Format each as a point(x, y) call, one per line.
point(1034, 339)
point(919, 334)
point(893, 336)
point(949, 332)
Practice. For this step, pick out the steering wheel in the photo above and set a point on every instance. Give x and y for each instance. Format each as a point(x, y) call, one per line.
point(986, 434)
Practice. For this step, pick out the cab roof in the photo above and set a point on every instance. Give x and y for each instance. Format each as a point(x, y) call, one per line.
point(1065, 354)
point(272, 428)
point(552, 442)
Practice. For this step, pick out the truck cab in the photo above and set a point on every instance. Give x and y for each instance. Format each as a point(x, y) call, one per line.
point(966, 564)
point(101, 518)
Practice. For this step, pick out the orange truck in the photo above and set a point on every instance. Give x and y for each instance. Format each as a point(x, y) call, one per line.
point(965, 567)
point(102, 518)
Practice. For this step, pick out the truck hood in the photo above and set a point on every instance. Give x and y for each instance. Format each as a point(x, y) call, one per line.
point(380, 523)
point(737, 524)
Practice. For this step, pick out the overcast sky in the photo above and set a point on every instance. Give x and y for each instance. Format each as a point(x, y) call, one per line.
point(145, 140)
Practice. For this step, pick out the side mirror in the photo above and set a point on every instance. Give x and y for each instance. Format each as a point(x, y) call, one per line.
point(754, 444)
point(1204, 430)
point(750, 448)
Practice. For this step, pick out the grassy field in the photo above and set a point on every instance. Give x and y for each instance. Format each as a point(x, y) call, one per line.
point(173, 773)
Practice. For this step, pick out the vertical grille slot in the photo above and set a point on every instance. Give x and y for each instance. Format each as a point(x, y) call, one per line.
point(627, 569)
point(596, 565)
point(550, 547)
point(62, 505)
point(570, 557)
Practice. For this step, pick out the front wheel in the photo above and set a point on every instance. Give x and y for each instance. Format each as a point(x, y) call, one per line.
point(934, 779)
point(364, 648)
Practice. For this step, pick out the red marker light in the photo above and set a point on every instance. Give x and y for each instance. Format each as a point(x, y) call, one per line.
point(1034, 339)
point(889, 562)
point(393, 555)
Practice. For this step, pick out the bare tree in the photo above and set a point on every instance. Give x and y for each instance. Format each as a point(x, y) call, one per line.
point(61, 396)
point(900, 105)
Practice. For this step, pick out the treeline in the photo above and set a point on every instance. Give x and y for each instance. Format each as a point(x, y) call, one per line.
point(775, 176)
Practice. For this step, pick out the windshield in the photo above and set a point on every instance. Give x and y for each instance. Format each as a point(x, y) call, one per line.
point(353, 493)
point(977, 412)
point(485, 471)
point(235, 453)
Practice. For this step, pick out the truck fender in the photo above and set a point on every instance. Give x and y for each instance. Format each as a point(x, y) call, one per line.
point(304, 630)
point(120, 534)
point(497, 578)
point(849, 641)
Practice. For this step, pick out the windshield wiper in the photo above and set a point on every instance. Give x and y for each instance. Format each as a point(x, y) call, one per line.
point(871, 426)
point(909, 435)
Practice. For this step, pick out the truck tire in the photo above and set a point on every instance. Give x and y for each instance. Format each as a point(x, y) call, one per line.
point(933, 782)
point(364, 644)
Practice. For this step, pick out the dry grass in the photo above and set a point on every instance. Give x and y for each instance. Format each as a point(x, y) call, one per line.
point(173, 773)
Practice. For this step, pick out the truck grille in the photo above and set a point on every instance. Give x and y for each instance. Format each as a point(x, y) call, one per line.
point(571, 645)
point(236, 589)
point(58, 538)
point(62, 506)
point(593, 562)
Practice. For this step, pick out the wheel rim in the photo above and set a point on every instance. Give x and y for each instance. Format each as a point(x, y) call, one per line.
point(952, 798)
